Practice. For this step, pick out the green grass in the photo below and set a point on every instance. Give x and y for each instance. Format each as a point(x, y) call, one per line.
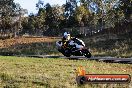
point(23, 72)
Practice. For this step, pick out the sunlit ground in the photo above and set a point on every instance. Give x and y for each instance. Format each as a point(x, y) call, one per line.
point(20, 72)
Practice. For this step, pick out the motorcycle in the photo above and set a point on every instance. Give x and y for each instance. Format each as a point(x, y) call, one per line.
point(72, 50)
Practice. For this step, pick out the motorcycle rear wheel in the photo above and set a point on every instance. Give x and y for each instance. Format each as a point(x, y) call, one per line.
point(87, 54)
point(65, 53)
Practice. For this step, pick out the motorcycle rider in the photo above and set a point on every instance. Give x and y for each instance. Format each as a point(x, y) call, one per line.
point(67, 40)
point(72, 46)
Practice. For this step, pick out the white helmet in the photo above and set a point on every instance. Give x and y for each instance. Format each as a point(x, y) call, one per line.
point(67, 35)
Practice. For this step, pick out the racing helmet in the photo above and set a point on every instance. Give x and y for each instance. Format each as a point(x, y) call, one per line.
point(67, 36)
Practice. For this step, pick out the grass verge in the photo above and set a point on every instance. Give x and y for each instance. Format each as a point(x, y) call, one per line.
point(23, 72)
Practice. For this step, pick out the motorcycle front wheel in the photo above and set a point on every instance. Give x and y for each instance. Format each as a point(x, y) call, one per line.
point(65, 52)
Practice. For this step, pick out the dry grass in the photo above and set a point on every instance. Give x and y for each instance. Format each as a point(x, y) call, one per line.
point(28, 46)
point(23, 40)
point(20, 72)
point(101, 46)
point(46, 45)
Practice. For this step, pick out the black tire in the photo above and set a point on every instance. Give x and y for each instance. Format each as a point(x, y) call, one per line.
point(87, 53)
point(67, 53)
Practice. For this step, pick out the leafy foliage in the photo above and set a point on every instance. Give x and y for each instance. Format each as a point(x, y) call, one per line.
point(96, 15)
point(10, 17)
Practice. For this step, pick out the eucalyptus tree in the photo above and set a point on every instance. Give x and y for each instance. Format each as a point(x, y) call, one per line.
point(10, 16)
point(70, 15)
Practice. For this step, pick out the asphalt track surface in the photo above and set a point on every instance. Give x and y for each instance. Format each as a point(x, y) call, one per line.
point(101, 59)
